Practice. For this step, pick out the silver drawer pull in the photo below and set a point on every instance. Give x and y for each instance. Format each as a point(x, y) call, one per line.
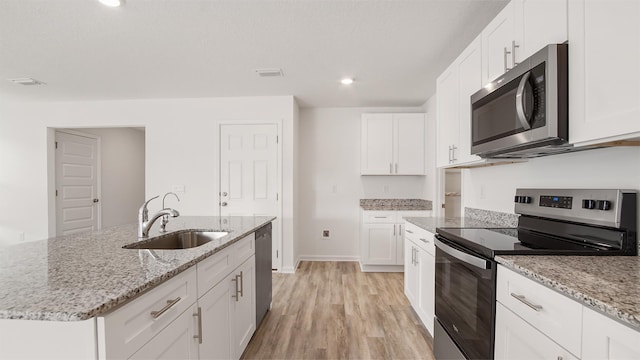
point(524, 300)
point(424, 240)
point(170, 303)
point(199, 316)
point(409, 231)
point(380, 217)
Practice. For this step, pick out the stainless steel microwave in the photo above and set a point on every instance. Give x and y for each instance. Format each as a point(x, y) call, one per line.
point(524, 113)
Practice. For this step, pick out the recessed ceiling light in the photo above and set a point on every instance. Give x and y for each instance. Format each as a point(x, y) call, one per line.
point(346, 81)
point(112, 3)
point(26, 81)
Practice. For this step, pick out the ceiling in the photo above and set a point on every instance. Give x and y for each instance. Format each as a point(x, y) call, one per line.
point(83, 50)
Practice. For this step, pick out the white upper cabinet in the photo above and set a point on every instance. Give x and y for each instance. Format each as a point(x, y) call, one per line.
point(454, 89)
point(392, 144)
point(604, 70)
point(497, 41)
point(521, 29)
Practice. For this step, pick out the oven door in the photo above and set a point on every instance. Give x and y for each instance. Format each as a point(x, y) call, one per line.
point(465, 299)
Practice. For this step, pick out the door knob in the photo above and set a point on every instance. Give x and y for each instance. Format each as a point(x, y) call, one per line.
point(224, 193)
point(224, 203)
point(95, 200)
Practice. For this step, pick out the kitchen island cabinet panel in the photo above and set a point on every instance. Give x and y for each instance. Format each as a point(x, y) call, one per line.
point(604, 338)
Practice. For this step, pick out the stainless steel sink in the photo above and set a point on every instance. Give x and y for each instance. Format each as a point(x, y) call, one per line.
point(178, 240)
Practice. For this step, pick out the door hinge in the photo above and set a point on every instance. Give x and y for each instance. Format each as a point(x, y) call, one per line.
point(56, 144)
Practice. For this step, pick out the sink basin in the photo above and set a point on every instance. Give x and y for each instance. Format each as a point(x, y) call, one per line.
point(178, 240)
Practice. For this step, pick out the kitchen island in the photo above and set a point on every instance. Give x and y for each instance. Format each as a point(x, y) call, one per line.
point(58, 288)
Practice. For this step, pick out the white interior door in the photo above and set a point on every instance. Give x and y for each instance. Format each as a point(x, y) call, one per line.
point(249, 180)
point(77, 207)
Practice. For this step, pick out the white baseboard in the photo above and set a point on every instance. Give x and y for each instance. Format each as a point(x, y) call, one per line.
point(327, 258)
point(381, 268)
point(288, 270)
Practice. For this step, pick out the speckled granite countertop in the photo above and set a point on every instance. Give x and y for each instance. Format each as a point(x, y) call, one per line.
point(81, 276)
point(395, 204)
point(609, 284)
point(431, 223)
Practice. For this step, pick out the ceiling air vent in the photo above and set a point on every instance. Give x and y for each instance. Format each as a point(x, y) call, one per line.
point(26, 81)
point(269, 72)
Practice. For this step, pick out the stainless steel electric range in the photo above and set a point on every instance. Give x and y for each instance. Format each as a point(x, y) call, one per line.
point(551, 222)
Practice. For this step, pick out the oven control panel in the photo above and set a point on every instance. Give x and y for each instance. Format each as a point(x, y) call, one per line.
point(592, 206)
point(563, 202)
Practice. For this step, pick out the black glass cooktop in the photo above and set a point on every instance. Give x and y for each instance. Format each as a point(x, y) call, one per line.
point(513, 241)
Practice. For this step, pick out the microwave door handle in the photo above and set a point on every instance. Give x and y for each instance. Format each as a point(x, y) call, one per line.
point(462, 256)
point(520, 99)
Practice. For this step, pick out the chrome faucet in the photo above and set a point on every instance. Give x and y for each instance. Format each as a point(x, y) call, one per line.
point(165, 218)
point(144, 223)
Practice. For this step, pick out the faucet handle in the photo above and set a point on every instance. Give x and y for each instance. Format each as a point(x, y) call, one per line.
point(144, 212)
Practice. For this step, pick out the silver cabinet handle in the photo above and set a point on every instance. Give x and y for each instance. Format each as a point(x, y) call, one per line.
point(390, 168)
point(524, 300)
point(522, 116)
point(399, 229)
point(394, 229)
point(409, 231)
point(199, 316)
point(424, 240)
point(241, 284)
point(513, 52)
point(506, 53)
point(417, 262)
point(450, 156)
point(413, 256)
point(235, 295)
point(170, 303)
point(224, 203)
point(380, 217)
point(396, 168)
point(453, 152)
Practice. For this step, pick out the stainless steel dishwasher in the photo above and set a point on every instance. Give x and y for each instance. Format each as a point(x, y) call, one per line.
point(263, 272)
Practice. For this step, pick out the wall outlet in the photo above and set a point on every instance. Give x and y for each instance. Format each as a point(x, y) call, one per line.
point(177, 189)
point(326, 234)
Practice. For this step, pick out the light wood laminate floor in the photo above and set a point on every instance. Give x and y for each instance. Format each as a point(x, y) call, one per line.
point(332, 310)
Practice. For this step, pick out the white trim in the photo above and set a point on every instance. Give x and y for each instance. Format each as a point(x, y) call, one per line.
point(98, 176)
point(279, 126)
point(381, 268)
point(328, 258)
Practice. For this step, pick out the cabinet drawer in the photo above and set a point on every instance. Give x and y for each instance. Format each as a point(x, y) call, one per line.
point(420, 236)
point(516, 339)
point(401, 214)
point(379, 217)
point(216, 267)
point(552, 313)
point(129, 327)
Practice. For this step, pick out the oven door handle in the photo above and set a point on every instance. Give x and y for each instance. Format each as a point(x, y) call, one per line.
point(462, 256)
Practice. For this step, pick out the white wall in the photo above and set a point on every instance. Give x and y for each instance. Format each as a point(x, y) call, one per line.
point(330, 183)
point(181, 149)
point(492, 188)
point(122, 174)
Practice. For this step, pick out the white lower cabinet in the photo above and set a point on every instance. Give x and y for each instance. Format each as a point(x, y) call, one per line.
point(382, 240)
point(419, 273)
point(517, 339)
point(206, 312)
point(174, 342)
point(604, 338)
point(535, 322)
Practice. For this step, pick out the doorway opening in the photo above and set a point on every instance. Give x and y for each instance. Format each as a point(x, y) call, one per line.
point(453, 193)
point(96, 177)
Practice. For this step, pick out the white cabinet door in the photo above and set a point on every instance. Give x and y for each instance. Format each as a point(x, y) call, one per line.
point(604, 338)
point(411, 273)
point(447, 115)
point(379, 244)
point(376, 153)
point(470, 81)
point(216, 306)
point(539, 23)
point(516, 339)
point(243, 321)
point(409, 147)
point(427, 288)
point(176, 341)
point(497, 44)
point(604, 51)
